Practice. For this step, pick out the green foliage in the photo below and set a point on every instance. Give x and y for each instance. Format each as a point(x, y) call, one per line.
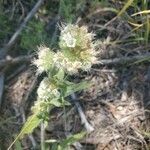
point(138, 20)
point(127, 4)
point(33, 35)
point(56, 87)
point(71, 87)
point(18, 145)
point(65, 144)
point(39, 114)
point(67, 10)
point(32, 122)
point(101, 3)
point(6, 26)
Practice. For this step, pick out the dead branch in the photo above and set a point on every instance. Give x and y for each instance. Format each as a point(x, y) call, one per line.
point(96, 140)
point(11, 61)
point(114, 61)
point(124, 60)
point(1, 86)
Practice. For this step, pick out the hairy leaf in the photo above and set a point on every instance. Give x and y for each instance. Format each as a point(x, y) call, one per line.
point(18, 145)
point(72, 139)
point(60, 75)
point(56, 102)
point(64, 144)
point(76, 87)
point(32, 122)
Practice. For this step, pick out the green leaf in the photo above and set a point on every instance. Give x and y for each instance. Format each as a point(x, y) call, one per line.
point(76, 87)
point(55, 102)
point(18, 145)
point(54, 146)
point(72, 139)
point(60, 75)
point(65, 102)
point(62, 145)
point(32, 122)
point(59, 103)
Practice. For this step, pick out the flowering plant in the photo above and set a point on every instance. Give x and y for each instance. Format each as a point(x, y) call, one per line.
point(76, 53)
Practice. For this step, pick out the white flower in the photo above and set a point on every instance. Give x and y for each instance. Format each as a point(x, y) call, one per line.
point(47, 91)
point(44, 61)
point(72, 67)
point(69, 40)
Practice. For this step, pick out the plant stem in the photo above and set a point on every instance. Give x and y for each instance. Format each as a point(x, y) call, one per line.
point(42, 136)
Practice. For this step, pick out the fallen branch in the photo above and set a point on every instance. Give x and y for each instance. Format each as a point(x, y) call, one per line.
point(1, 86)
point(104, 141)
point(114, 61)
point(11, 61)
point(124, 60)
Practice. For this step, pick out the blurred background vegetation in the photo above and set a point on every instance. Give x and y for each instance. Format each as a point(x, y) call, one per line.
point(41, 28)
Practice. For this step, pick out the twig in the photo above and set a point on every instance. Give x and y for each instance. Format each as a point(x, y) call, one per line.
point(124, 60)
point(11, 61)
point(22, 9)
point(104, 141)
point(84, 121)
point(110, 21)
point(114, 61)
point(1, 86)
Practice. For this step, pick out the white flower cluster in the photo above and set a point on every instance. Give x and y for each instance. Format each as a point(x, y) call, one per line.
point(69, 66)
point(47, 90)
point(45, 59)
point(73, 35)
point(77, 51)
point(75, 42)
